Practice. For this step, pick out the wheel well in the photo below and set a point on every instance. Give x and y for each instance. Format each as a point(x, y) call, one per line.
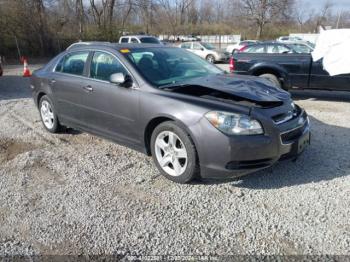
point(40, 95)
point(267, 71)
point(149, 130)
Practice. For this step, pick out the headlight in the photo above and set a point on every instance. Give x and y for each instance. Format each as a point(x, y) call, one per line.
point(234, 124)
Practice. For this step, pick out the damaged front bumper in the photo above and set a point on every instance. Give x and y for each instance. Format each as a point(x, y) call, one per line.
point(223, 156)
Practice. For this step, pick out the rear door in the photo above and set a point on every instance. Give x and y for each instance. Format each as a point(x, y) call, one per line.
point(111, 109)
point(296, 65)
point(320, 79)
point(67, 84)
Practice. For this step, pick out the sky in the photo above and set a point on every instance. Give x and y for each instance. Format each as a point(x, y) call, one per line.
point(339, 5)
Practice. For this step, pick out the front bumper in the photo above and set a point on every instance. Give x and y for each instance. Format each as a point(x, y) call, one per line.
point(223, 156)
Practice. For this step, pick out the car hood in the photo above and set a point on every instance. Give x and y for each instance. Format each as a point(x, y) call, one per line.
point(236, 88)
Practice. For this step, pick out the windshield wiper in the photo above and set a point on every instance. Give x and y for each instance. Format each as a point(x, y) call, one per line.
point(172, 85)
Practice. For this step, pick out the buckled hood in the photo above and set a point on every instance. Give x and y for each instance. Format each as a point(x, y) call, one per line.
point(238, 88)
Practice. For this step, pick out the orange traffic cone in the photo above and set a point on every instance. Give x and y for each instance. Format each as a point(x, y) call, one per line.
point(26, 71)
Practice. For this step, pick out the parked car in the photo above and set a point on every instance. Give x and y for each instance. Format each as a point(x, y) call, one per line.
point(167, 42)
point(206, 51)
point(192, 117)
point(295, 40)
point(268, 48)
point(139, 39)
point(289, 39)
point(276, 47)
point(188, 38)
point(286, 68)
point(302, 48)
point(236, 47)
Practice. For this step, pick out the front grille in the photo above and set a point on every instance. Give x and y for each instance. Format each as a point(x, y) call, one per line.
point(285, 117)
point(249, 164)
point(292, 135)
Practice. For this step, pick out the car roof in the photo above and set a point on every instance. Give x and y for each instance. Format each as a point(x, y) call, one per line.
point(116, 46)
point(138, 36)
point(81, 43)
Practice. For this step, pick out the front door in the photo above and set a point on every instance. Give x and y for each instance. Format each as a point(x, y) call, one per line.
point(111, 109)
point(199, 50)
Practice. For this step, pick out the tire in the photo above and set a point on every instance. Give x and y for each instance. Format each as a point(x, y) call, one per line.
point(48, 115)
point(179, 156)
point(273, 79)
point(210, 59)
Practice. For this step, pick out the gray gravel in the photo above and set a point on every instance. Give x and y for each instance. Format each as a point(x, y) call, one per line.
point(78, 194)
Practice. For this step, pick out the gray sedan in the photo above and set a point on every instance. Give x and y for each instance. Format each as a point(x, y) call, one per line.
point(193, 118)
point(206, 51)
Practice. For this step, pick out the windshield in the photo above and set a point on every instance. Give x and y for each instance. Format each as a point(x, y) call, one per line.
point(149, 40)
point(208, 46)
point(164, 66)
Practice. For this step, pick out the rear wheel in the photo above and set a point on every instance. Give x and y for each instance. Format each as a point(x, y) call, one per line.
point(174, 152)
point(48, 115)
point(272, 79)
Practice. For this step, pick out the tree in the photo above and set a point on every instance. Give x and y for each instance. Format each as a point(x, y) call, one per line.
point(264, 11)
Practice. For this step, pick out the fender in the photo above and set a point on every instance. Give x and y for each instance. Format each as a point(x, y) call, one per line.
point(272, 68)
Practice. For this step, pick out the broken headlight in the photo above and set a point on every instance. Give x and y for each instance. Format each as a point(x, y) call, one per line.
point(234, 124)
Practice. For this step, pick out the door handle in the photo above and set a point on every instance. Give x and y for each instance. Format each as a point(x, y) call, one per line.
point(88, 88)
point(53, 81)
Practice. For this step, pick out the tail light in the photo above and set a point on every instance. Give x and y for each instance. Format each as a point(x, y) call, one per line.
point(232, 65)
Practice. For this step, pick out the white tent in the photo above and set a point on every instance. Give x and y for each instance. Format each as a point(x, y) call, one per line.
point(334, 47)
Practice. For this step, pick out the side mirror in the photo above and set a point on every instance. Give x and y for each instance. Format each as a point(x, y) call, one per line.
point(121, 79)
point(202, 49)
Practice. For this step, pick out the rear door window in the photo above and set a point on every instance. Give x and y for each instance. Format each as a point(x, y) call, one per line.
point(103, 65)
point(283, 49)
point(255, 49)
point(125, 40)
point(134, 40)
point(73, 63)
point(277, 49)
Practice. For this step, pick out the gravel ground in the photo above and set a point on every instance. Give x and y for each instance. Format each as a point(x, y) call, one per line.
point(78, 194)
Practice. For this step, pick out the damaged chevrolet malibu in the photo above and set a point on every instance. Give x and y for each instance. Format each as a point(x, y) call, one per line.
point(194, 119)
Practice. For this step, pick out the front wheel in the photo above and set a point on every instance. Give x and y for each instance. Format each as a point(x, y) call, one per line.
point(210, 59)
point(174, 152)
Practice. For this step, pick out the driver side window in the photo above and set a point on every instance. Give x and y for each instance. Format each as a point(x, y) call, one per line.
point(103, 65)
point(197, 46)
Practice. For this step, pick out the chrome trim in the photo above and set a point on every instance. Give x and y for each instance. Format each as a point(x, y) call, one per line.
point(291, 130)
point(286, 119)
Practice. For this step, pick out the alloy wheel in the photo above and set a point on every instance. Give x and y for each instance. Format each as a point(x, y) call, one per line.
point(47, 114)
point(171, 153)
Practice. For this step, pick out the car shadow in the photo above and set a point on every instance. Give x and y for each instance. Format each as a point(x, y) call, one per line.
point(14, 87)
point(325, 159)
point(321, 95)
